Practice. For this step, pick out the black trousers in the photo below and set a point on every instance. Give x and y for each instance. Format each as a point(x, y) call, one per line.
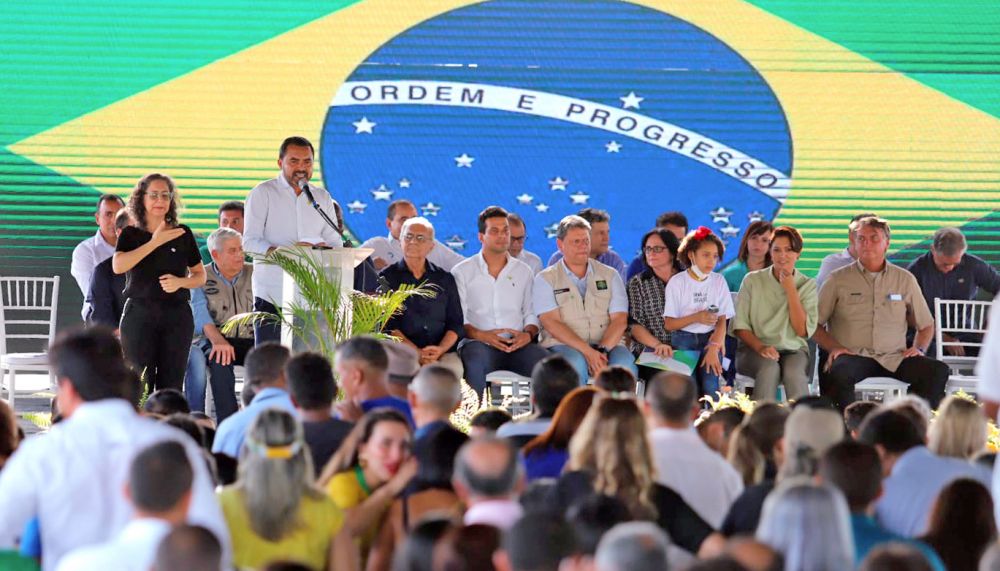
point(156, 337)
point(927, 377)
point(268, 331)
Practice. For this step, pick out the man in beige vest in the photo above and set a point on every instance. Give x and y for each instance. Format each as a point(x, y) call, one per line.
point(582, 305)
point(227, 292)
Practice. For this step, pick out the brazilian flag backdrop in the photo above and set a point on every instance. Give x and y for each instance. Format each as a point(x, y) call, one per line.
point(795, 111)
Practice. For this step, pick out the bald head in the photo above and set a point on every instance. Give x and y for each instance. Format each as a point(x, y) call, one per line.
point(672, 397)
point(437, 390)
point(488, 468)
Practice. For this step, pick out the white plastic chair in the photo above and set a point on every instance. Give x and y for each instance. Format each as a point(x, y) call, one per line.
point(890, 388)
point(516, 388)
point(957, 317)
point(965, 383)
point(27, 311)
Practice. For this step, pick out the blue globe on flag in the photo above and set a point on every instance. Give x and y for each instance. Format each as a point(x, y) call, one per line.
point(550, 106)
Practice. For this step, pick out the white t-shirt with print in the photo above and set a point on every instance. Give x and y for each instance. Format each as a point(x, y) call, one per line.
point(686, 295)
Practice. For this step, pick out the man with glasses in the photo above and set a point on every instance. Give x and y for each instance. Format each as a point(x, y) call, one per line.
point(431, 325)
point(278, 213)
point(495, 289)
point(389, 250)
point(518, 236)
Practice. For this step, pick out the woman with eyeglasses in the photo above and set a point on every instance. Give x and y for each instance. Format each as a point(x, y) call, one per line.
point(646, 296)
point(160, 260)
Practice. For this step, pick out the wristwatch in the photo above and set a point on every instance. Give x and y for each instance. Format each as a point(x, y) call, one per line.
point(602, 349)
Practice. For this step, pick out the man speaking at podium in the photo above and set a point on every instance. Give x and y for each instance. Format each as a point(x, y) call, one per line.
point(280, 212)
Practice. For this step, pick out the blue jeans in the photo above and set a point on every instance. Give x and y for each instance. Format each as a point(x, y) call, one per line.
point(618, 356)
point(708, 383)
point(222, 377)
point(479, 359)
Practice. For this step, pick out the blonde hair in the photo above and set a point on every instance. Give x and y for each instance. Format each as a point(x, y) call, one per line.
point(611, 443)
point(275, 474)
point(959, 429)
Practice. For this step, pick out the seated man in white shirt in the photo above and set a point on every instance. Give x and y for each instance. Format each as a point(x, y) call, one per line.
point(683, 461)
point(159, 488)
point(280, 213)
point(495, 289)
point(388, 249)
point(518, 239)
point(582, 305)
point(98, 247)
point(837, 260)
point(71, 480)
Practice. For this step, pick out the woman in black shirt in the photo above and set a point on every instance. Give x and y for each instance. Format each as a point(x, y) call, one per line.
point(161, 263)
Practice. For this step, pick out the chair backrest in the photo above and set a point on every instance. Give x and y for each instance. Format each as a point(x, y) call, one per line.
point(955, 317)
point(28, 309)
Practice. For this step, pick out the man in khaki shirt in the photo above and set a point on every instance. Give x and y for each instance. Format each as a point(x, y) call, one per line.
point(866, 308)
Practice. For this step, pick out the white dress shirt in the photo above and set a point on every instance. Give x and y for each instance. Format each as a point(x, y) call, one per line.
point(534, 262)
point(134, 549)
point(699, 474)
point(86, 256)
point(833, 262)
point(72, 479)
point(274, 217)
point(390, 250)
point(501, 303)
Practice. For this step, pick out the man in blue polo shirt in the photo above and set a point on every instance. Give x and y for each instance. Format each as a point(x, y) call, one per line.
point(265, 371)
point(948, 272)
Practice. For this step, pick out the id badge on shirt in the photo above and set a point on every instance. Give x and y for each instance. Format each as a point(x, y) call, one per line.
point(895, 297)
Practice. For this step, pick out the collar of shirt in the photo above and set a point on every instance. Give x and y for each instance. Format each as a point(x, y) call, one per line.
point(914, 455)
point(267, 395)
point(283, 183)
point(101, 243)
point(102, 410)
point(232, 282)
point(499, 513)
point(429, 269)
point(481, 263)
point(429, 428)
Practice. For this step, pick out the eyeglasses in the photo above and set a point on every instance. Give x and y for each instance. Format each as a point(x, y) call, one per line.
point(160, 195)
point(418, 238)
point(518, 238)
point(655, 249)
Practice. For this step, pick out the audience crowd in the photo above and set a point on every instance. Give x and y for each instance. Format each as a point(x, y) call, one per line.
point(369, 459)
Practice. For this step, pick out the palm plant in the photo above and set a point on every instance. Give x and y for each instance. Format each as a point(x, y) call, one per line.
point(326, 316)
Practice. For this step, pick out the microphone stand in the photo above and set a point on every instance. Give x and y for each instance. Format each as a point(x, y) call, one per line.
point(383, 284)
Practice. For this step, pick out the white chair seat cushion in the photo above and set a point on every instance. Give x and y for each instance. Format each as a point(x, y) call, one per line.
point(880, 383)
point(24, 359)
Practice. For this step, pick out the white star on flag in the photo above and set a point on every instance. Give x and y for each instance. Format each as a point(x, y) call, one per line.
point(551, 230)
point(356, 207)
point(613, 147)
point(542, 207)
point(404, 183)
point(464, 161)
point(730, 231)
point(382, 192)
point(558, 183)
point(430, 209)
point(755, 216)
point(455, 242)
point(579, 198)
point(631, 101)
point(525, 198)
point(720, 214)
point(364, 126)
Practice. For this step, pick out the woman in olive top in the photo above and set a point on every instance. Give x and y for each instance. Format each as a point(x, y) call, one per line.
point(160, 260)
point(274, 511)
point(776, 313)
point(370, 469)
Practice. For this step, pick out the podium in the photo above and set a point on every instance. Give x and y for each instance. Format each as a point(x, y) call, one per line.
point(337, 265)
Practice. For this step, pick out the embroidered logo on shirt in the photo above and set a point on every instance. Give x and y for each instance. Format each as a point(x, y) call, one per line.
point(602, 285)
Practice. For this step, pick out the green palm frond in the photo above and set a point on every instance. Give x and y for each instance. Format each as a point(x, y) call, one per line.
point(326, 316)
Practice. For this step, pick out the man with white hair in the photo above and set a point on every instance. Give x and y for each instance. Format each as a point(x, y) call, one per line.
point(633, 546)
point(434, 394)
point(431, 325)
point(948, 272)
point(227, 292)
